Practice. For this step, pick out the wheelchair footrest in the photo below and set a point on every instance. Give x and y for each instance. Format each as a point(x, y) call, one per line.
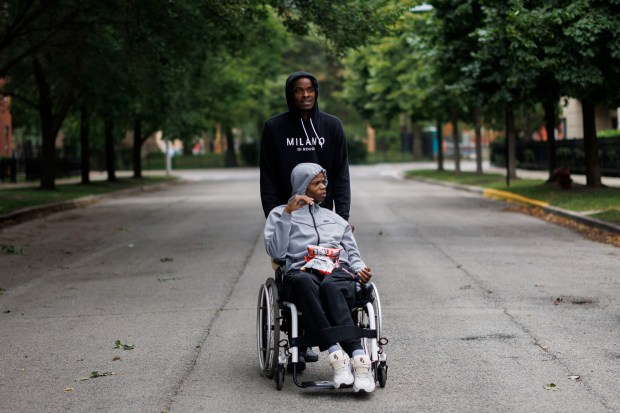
point(322, 385)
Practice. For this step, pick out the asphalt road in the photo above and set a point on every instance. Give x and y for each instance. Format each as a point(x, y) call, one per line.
point(483, 307)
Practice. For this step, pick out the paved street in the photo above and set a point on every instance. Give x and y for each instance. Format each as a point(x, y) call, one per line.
point(483, 306)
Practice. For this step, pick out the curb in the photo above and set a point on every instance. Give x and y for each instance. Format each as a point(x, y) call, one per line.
point(39, 211)
point(510, 197)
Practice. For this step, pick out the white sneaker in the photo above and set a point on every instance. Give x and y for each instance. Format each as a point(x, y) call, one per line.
point(364, 379)
point(341, 364)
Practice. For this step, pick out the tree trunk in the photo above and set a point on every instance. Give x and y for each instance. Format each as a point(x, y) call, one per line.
point(85, 145)
point(109, 150)
point(511, 145)
point(550, 106)
point(231, 159)
point(457, 144)
point(48, 150)
point(478, 128)
point(406, 145)
point(590, 145)
point(48, 144)
point(439, 145)
point(50, 125)
point(137, 148)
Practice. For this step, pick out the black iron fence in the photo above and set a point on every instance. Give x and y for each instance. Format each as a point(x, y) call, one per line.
point(569, 153)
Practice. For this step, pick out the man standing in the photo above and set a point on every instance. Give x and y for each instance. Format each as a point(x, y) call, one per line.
point(303, 134)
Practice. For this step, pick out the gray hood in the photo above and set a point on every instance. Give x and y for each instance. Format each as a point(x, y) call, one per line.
point(302, 175)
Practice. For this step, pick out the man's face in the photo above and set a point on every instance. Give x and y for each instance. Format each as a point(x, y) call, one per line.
point(317, 188)
point(304, 94)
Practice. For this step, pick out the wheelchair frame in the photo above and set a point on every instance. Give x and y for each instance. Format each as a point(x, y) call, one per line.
point(275, 315)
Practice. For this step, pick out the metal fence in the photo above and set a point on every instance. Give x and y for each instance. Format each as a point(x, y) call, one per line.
point(570, 154)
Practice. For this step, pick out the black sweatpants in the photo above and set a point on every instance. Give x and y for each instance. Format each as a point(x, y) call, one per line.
point(325, 301)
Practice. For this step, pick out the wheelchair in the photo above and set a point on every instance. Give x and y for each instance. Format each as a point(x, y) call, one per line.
point(276, 316)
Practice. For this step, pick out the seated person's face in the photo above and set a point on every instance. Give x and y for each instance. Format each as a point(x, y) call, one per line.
point(317, 188)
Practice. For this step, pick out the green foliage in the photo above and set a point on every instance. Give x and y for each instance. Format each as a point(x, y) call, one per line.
point(610, 215)
point(249, 152)
point(609, 133)
point(392, 75)
point(357, 152)
point(346, 23)
point(157, 161)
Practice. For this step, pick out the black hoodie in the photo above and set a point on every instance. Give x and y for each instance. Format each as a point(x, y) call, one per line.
point(289, 140)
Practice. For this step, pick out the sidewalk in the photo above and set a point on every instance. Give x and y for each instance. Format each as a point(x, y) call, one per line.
point(94, 176)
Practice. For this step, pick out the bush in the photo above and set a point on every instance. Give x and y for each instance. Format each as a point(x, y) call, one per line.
point(249, 153)
point(529, 158)
point(357, 151)
point(609, 133)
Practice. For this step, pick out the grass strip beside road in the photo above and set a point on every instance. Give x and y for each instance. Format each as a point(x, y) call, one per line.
point(14, 199)
point(603, 203)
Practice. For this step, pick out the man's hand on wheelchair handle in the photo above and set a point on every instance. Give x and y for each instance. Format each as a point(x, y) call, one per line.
point(297, 202)
point(365, 274)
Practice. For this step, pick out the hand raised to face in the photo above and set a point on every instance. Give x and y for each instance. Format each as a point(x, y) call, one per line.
point(297, 202)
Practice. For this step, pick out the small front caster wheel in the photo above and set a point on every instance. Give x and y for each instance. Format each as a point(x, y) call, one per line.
point(280, 372)
point(382, 374)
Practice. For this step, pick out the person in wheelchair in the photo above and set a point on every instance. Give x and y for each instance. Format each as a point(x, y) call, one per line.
point(323, 289)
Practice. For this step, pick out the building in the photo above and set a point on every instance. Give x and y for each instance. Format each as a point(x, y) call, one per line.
point(572, 118)
point(6, 126)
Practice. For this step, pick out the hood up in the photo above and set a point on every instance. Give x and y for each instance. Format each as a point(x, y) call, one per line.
point(290, 96)
point(303, 174)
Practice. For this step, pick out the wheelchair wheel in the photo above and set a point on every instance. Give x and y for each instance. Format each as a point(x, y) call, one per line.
point(376, 305)
point(280, 372)
point(382, 374)
point(362, 319)
point(268, 328)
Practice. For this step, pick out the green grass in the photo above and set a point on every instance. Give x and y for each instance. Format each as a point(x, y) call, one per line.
point(579, 198)
point(611, 215)
point(13, 199)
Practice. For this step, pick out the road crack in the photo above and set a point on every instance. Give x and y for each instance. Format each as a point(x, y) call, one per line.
point(490, 294)
point(176, 388)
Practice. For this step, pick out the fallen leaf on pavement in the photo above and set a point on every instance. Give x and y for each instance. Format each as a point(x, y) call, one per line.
point(11, 250)
point(558, 300)
point(118, 344)
point(161, 280)
point(574, 377)
point(550, 386)
point(116, 358)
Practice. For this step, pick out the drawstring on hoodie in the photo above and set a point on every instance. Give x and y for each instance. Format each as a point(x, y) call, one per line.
point(306, 132)
point(315, 228)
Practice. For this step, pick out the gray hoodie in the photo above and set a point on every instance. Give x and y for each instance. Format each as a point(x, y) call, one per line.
point(287, 236)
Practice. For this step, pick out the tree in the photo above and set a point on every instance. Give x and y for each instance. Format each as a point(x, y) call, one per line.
point(391, 77)
point(589, 65)
point(456, 43)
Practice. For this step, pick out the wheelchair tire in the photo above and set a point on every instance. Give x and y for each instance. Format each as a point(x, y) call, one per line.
point(362, 317)
point(382, 374)
point(280, 372)
point(376, 304)
point(268, 328)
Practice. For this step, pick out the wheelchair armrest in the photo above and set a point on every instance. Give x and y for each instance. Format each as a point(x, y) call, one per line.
point(275, 264)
